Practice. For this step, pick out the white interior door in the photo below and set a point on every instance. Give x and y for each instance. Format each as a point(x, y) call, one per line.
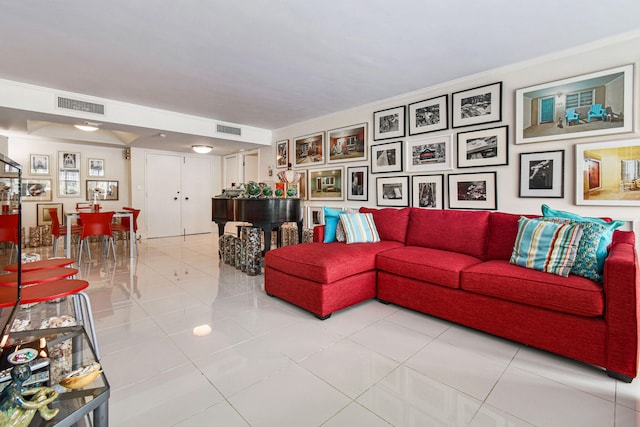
point(196, 195)
point(163, 195)
point(250, 166)
point(231, 171)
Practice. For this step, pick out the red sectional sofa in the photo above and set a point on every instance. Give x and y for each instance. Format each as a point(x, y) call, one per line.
point(455, 265)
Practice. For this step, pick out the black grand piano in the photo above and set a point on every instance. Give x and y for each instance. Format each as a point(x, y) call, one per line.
point(268, 214)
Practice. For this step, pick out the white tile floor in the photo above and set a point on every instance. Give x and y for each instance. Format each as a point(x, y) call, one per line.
point(268, 363)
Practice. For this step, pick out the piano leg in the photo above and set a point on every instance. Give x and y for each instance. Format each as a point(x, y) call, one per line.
point(299, 231)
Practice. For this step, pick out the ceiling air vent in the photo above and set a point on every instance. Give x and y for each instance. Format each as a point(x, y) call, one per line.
point(77, 105)
point(230, 130)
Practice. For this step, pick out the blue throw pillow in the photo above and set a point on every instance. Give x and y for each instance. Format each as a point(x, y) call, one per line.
point(331, 218)
point(607, 235)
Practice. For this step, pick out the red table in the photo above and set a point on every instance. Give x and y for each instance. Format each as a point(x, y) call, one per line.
point(47, 292)
point(37, 276)
point(37, 265)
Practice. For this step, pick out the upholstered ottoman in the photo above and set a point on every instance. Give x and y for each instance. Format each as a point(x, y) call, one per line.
point(323, 277)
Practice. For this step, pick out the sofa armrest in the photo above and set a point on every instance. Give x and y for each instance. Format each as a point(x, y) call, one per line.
point(622, 309)
point(318, 233)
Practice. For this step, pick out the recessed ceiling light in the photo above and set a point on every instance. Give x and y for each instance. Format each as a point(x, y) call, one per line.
point(202, 149)
point(88, 126)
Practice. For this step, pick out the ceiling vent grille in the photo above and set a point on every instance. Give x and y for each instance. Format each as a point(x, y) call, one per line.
point(77, 105)
point(230, 130)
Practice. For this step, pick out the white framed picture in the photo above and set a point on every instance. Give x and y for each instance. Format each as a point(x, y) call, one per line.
point(429, 154)
point(96, 167)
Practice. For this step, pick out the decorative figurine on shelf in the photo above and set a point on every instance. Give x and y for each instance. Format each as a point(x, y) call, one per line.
point(289, 176)
point(253, 189)
point(18, 405)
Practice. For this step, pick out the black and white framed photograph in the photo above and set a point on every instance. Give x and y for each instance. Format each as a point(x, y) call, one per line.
point(389, 123)
point(309, 150)
point(32, 190)
point(315, 216)
point(68, 160)
point(608, 173)
point(39, 164)
point(69, 183)
point(102, 190)
point(542, 174)
point(386, 157)
point(358, 183)
point(594, 104)
point(484, 147)
point(430, 154)
point(347, 144)
point(473, 191)
point(477, 106)
point(96, 167)
point(326, 184)
point(427, 191)
point(282, 154)
point(392, 191)
point(429, 115)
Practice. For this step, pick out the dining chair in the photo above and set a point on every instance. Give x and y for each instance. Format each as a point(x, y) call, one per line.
point(56, 232)
point(9, 233)
point(125, 225)
point(96, 224)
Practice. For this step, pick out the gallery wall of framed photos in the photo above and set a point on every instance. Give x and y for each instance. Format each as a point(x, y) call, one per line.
point(58, 174)
point(509, 139)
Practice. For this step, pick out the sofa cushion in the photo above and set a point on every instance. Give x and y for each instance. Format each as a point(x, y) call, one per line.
point(390, 223)
point(326, 262)
point(546, 246)
point(503, 228)
point(500, 279)
point(605, 241)
point(358, 228)
point(586, 264)
point(432, 265)
point(464, 232)
point(331, 218)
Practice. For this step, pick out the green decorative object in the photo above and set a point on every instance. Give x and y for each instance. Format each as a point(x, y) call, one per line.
point(291, 192)
point(267, 192)
point(253, 189)
point(279, 193)
point(18, 405)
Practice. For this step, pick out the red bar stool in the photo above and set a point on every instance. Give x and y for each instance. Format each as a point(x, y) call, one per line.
point(39, 265)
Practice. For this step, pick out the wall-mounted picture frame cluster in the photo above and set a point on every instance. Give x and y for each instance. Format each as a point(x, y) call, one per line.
point(473, 191)
point(427, 191)
point(43, 215)
point(345, 144)
point(608, 173)
point(389, 123)
point(484, 147)
point(542, 174)
point(34, 190)
point(105, 190)
point(386, 157)
point(326, 183)
point(594, 104)
point(358, 183)
point(430, 115)
point(430, 154)
point(39, 164)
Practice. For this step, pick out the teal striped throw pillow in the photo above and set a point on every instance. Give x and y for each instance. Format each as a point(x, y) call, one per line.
point(359, 228)
point(546, 246)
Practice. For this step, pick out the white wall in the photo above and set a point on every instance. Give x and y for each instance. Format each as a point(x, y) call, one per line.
point(595, 57)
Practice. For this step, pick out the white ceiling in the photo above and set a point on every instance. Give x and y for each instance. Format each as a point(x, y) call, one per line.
point(271, 63)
